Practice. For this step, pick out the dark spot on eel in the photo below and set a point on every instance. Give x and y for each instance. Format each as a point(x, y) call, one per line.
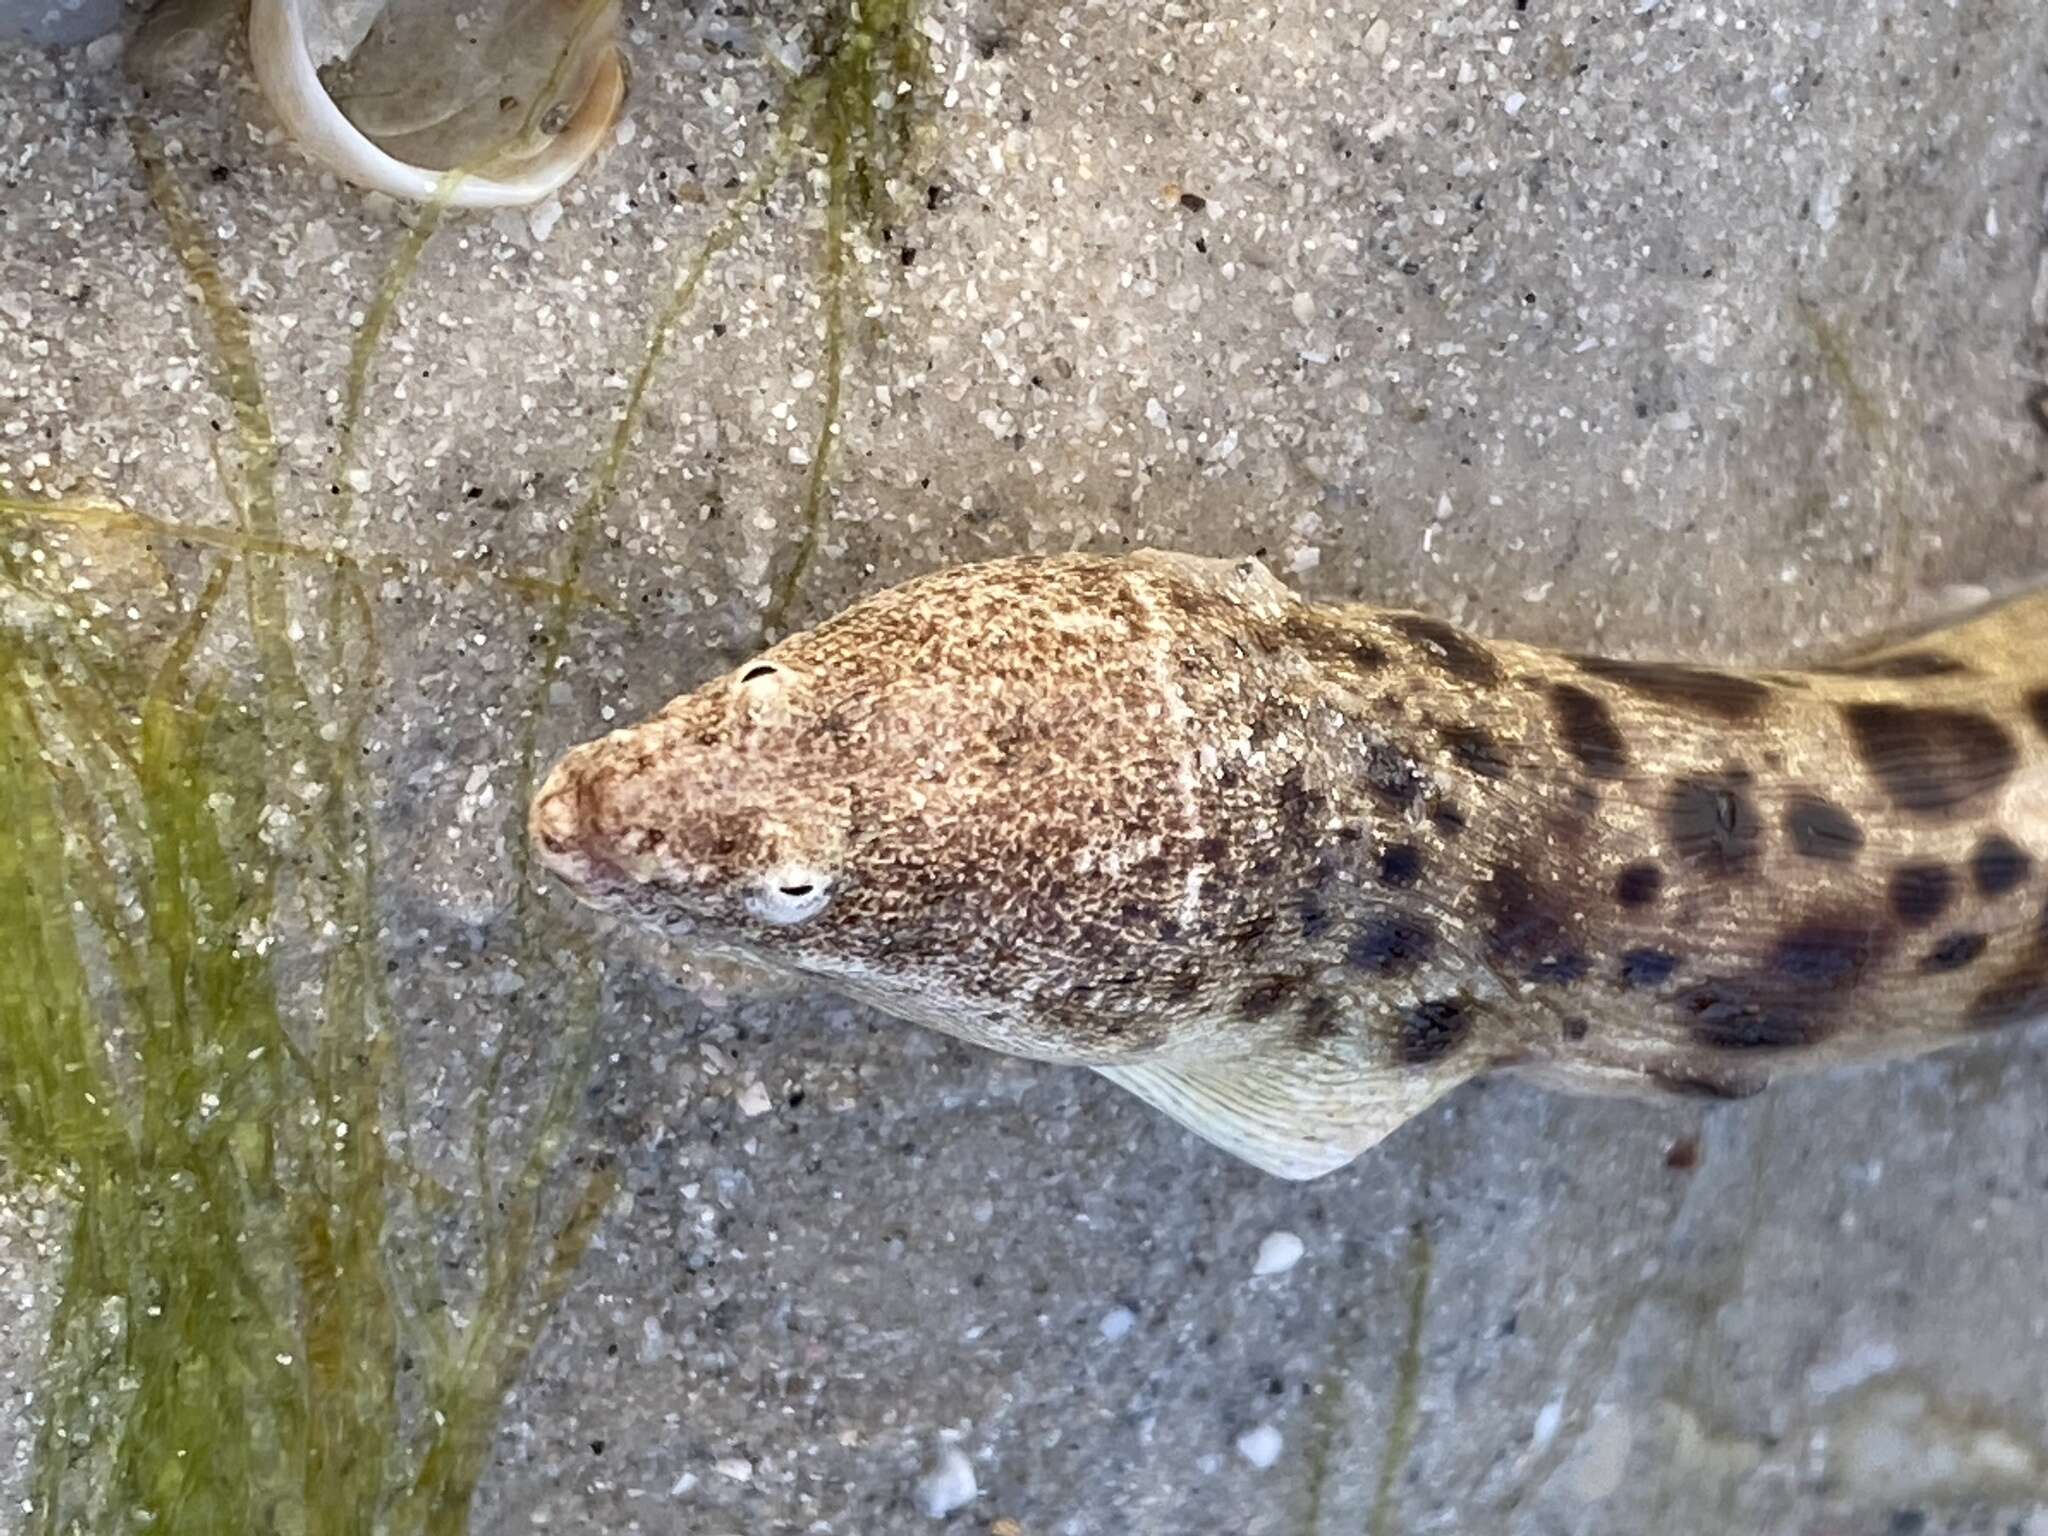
point(1920, 893)
point(1785, 1002)
point(1820, 829)
point(1954, 952)
point(1400, 865)
point(1576, 1028)
point(1930, 761)
point(2037, 706)
point(1476, 750)
point(1647, 967)
point(1824, 953)
point(1389, 945)
point(1693, 1085)
point(1999, 865)
point(1563, 968)
point(2022, 993)
point(1300, 806)
point(1732, 1016)
point(1907, 664)
point(1527, 931)
point(1431, 1030)
point(1638, 885)
point(1251, 933)
point(1713, 825)
point(1266, 997)
point(1328, 641)
point(1452, 649)
point(1589, 731)
point(1320, 1020)
point(1390, 773)
point(1315, 915)
point(1148, 917)
point(1717, 694)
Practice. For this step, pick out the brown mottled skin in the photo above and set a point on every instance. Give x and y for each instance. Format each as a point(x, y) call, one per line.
point(1272, 864)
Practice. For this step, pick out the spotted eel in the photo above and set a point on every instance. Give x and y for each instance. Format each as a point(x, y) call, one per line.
point(1291, 872)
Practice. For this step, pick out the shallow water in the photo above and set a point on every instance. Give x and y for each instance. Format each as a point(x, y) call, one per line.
point(58, 21)
point(356, 1183)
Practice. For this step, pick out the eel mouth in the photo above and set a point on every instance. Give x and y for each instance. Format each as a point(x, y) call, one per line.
point(290, 81)
point(559, 825)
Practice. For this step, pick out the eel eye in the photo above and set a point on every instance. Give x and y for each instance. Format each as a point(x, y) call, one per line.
point(789, 896)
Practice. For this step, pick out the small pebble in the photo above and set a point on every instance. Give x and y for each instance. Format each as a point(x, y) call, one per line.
point(948, 1485)
point(1261, 1446)
point(1115, 1324)
point(1280, 1252)
point(738, 1468)
point(542, 218)
point(754, 1100)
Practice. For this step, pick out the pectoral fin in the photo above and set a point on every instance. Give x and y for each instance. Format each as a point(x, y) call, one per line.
point(1287, 1110)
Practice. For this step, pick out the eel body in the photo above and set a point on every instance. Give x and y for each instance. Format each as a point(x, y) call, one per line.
point(1292, 872)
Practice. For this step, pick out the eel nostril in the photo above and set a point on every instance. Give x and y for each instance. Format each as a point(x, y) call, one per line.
point(556, 818)
point(642, 839)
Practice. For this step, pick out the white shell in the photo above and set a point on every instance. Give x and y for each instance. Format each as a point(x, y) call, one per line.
point(281, 51)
